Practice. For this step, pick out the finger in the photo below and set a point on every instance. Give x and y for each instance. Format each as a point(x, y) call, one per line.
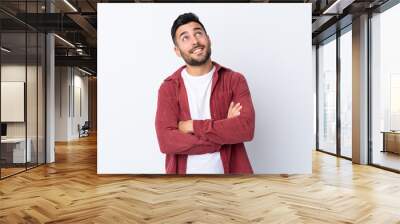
point(236, 114)
point(231, 106)
point(236, 106)
point(237, 109)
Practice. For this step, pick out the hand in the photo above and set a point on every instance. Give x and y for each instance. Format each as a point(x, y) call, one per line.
point(234, 110)
point(186, 126)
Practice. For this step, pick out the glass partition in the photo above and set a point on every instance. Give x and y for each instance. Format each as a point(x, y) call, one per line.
point(14, 153)
point(22, 67)
point(385, 89)
point(346, 94)
point(327, 96)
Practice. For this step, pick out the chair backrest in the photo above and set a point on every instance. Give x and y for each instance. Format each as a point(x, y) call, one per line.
point(86, 125)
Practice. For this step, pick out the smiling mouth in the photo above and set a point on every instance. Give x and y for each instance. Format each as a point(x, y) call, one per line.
point(197, 50)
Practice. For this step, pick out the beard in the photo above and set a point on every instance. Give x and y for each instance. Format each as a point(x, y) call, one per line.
point(197, 61)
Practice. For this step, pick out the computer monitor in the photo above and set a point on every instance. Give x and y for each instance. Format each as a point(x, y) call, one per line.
point(3, 129)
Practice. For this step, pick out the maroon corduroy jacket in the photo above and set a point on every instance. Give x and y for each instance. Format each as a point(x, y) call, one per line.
point(216, 134)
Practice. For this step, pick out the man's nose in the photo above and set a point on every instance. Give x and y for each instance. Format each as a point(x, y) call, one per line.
point(195, 41)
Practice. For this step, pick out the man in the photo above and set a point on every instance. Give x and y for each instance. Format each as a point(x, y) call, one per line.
point(204, 110)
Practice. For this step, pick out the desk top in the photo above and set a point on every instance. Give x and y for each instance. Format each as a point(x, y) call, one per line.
point(390, 132)
point(13, 140)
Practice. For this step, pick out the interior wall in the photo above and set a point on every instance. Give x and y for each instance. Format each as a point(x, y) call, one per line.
point(80, 110)
point(61, 103)
point(71, 102)
point(15, 72)
point(92, 108)
point(33, 126)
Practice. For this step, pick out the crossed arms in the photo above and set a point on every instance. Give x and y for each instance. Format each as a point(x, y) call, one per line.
point(194, 137)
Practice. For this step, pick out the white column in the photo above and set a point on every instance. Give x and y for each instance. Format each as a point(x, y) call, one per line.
point(50, 110)
point(50, 92)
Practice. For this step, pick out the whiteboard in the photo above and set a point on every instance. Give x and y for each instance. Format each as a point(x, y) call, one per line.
point(12, 101)
point(270, 44)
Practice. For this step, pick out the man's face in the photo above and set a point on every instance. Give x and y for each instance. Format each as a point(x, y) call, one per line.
point(192, 44)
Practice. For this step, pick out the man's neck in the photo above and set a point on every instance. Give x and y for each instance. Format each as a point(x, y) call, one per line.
point(199, 70)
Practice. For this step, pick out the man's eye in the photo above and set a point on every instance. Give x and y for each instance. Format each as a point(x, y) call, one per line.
point(199, 33)
point(184, 38)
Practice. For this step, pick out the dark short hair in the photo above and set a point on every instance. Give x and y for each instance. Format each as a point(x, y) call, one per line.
point(182, 20)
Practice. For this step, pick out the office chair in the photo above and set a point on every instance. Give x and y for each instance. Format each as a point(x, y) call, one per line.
point(84, 130)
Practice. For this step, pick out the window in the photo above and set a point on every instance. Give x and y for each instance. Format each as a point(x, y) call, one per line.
point(346, 93)
point(385, 88)
point(327, 96)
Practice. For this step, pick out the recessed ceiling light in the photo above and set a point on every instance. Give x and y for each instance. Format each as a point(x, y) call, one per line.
point(5, 50)
point(70, 5)
point(337, 7)
point(64, 40)
point(84, 71)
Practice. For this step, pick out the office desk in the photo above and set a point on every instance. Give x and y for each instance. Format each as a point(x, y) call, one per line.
point(391, 141)
point(13, 150)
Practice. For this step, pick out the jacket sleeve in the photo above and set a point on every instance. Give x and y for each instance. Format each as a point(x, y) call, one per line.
point(231, 130)
point(170, 139)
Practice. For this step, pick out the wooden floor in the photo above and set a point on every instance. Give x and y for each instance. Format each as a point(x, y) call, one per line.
point(9, 171)
point(70, 191)
point(5, 172)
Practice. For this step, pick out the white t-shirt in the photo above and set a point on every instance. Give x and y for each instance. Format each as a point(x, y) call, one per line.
point(198, 89)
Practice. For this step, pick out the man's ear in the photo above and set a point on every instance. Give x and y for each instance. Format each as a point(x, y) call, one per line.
point(177, 52)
